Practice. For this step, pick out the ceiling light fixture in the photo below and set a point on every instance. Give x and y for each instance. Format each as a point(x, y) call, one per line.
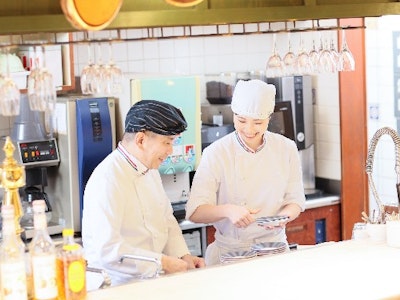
point(90, 14)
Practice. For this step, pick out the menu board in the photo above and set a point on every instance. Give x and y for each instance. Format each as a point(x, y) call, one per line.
point(184, 93)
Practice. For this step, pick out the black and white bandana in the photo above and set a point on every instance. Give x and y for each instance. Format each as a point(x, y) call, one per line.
point(156, 116)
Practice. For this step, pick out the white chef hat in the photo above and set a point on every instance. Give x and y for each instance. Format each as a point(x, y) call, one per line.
point(254, 99)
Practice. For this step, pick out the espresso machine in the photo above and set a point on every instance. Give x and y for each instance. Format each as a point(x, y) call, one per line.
point(37, 151)
point(60, 155)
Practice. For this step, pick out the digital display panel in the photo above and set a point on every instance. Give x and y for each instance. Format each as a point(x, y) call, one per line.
point(38, 152)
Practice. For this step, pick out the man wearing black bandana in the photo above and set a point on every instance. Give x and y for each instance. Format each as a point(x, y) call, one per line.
point(126, 210)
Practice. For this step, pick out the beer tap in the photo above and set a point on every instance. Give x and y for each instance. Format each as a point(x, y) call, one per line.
point(12, 178)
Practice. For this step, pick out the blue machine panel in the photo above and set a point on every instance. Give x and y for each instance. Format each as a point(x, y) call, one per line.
point(94, 135)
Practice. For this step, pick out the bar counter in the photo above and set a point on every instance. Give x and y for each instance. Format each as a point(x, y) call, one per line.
point(352, 269)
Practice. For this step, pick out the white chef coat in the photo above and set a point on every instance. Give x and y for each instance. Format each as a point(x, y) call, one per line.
point(126, 211)
point(267, 179)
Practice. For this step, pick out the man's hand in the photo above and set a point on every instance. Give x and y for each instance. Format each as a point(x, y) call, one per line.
point(194, 262)
point(240, 216)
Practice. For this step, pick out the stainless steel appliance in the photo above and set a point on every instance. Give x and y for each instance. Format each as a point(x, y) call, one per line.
point(195, 235)
point(282, 120)
point(298, 90)
point(37, 151)
point(211, 133)
point(85, 131)
point(58, 163)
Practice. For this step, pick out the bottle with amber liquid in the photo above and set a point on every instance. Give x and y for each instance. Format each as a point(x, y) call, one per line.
point(12, 259)
point(43, 256)
point(71, 269)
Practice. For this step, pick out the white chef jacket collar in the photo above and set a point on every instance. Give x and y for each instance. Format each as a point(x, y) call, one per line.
point(135, 163)
point(247, 148)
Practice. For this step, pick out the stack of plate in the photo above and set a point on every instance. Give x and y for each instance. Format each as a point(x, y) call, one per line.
point(269, 248)
point(238, 255)
point(271, 221)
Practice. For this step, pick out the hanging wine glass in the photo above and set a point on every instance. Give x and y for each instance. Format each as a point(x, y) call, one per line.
point(335, 56)
point(303, 63)
point(49, 89)
point(101, 71)
point(88, 74)
point(41, 89)
point(9, 93)
point(326, 63)
point(113, 76)
point(314, 58)
point(347, 62)
point(274, 64)
point(289, 60)
point(34, 87)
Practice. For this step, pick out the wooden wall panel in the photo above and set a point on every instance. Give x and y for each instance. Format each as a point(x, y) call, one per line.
point(353, 129)
point(302, 231)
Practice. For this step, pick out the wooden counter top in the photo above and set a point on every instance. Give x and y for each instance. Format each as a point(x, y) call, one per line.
point(335, 270)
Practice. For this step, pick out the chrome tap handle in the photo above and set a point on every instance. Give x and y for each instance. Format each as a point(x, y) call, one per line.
point(106, 278)
point(370, 161)
point(143, 258)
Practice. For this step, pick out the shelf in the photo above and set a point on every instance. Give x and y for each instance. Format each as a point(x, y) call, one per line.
point(19, 16)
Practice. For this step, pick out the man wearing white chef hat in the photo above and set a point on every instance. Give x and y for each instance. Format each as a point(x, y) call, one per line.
point(126, 210)
point(248, 174)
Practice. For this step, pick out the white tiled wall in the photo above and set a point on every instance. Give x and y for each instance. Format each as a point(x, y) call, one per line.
point(327, 126)
point(210, 55)
point(380, 99)
point(234, 53)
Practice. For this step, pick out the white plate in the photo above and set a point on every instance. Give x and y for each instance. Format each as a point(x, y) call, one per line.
point(238, 255)
point(271, 221)
point(268, 246)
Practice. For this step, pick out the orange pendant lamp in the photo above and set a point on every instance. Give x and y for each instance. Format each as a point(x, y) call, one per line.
point(90, 14)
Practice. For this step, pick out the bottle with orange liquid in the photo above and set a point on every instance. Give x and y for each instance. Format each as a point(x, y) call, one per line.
point(71, 269)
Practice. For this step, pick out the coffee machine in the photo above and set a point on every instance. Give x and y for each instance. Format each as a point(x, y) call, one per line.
point(60, 155)
point(37, 151)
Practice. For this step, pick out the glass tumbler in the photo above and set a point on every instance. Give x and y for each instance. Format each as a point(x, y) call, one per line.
point(359, 231)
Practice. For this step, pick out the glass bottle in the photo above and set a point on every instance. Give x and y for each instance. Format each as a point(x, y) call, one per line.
point(71, 269)
point(43, 256)
point(28, 271)
point(12, 259)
